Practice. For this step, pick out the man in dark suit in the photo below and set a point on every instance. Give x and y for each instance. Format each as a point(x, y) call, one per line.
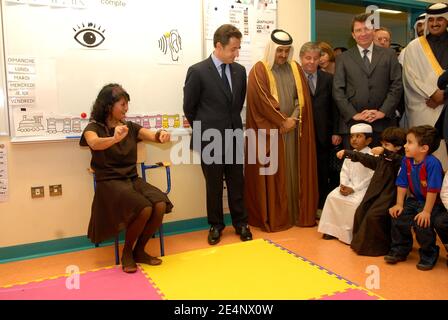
point(324, 114)
point(367, 84)
point(214, 93)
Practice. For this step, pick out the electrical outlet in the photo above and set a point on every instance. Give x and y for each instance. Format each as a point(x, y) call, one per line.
point(56, 190)
point(37, 192)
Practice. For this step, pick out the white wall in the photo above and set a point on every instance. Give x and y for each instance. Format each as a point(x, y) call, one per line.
point(25, 220)
point(294, 16)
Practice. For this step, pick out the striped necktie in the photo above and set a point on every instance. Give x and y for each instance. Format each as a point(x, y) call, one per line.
point(311, 83)
point(365, 58)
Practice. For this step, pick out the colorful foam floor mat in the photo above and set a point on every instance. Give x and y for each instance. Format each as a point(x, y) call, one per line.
point(253, 270)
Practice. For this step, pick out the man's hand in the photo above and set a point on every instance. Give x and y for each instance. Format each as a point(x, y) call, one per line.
point(436, 99)
point(361, 116)
point(423, 219)
point(374, 115)
point(336, 140)
point(288, 125)
point(396, 211)
point(120, 133)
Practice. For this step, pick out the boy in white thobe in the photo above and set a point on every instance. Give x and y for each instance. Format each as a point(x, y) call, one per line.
point(339, 209)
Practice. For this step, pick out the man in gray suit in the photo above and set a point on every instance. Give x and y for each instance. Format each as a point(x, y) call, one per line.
point(214, 93)
point(367, 84)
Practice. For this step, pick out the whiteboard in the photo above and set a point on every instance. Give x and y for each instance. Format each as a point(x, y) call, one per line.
point(63, 52)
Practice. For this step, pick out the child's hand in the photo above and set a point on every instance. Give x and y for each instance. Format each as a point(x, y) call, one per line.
point(346, 191)
point(423, 219)
point(349, 191)
point(340, 154)
point(377, 151)
point(396, 211)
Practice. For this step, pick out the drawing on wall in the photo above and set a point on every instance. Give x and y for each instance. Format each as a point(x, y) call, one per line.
point(185, 122)
point(89, 36)
point(35, 123)
point(3, 172)
point(159, 121)
point(254, 18)
point(245, 2)
point(65, 125)
point(267, 4)
point(148, 122)
point(171, 43)
point(171, 121)
point(239, 17)
point(29, 124)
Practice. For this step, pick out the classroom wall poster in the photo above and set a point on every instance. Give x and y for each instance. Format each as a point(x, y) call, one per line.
point(4, 191)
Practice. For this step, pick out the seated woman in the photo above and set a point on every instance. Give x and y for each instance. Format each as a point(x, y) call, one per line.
point(122, 199)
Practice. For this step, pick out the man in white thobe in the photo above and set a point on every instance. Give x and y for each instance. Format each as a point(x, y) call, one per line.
point(424, 61)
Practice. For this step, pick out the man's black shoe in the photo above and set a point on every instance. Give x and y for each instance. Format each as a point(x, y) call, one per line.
point(214, 235)
point(244, 232)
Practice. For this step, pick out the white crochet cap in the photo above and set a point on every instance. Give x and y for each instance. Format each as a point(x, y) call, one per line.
point(361, 128)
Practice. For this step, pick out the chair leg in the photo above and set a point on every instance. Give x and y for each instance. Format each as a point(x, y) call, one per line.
point(117, 252)
point(162, 245)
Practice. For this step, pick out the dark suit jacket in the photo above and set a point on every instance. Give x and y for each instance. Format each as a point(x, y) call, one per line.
point(442, 123)
point(324, 109)
point(206, 98)
point(356, 89)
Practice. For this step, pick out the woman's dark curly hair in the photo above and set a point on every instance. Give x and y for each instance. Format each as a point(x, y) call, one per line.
point(108, 96)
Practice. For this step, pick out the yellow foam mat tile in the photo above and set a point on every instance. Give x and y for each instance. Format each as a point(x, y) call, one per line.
point(248, 270)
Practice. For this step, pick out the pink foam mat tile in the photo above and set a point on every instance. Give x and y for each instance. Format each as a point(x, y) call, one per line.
point(105, 284)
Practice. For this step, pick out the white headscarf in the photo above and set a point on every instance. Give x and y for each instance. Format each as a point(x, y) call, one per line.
point(279, 38)
point(435, 11)
point(420, 19)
